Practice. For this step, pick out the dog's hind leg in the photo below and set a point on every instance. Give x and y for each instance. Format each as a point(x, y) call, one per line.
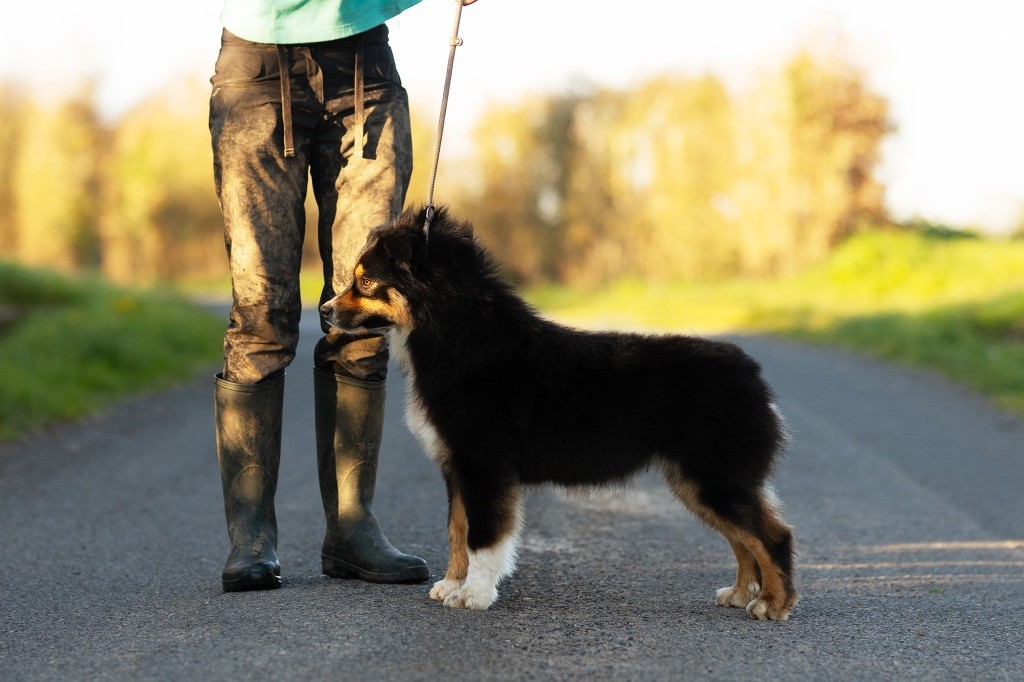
point(760, 539)
point(458, 531)
point(748, 575)
point(748, 578)
point(495, 520)
point(770, 540)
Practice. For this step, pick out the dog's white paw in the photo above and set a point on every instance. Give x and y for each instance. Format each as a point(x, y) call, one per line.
point(764, 610)
point(737, 596)
point(471, 597)
point(442, 588)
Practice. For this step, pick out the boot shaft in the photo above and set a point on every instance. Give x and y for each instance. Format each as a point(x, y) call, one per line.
point(349, 427)
point(248, 436)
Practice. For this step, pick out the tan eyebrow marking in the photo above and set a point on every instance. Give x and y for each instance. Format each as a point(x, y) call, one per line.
point(395, 309)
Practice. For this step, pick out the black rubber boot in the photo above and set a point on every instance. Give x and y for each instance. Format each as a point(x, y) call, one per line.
point(349, 424)
point(248, 419)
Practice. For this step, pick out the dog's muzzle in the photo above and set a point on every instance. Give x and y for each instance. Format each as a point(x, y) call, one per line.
point(330, 314)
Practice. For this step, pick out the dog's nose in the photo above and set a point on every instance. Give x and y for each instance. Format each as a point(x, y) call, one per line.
point(325, 310)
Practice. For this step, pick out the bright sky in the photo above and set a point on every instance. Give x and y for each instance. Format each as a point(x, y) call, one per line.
point(952, 71)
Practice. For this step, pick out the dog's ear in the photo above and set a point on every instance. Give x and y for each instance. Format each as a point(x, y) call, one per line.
point(405, 250)
point(398, 248)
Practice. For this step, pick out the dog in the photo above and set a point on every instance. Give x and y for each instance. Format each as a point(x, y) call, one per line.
point(500, 397)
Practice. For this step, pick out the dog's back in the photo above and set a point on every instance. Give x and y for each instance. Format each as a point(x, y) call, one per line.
point(576, 407)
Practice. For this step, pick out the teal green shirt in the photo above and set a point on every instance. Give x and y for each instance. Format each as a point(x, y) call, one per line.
point(306, 21)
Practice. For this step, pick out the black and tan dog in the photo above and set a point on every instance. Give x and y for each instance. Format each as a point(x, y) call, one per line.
point(500, 397)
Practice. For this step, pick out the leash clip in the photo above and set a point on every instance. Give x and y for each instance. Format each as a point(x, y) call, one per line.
point(427, 219)
point(453, 43)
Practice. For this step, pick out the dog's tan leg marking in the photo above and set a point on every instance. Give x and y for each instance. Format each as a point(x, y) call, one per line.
point(488, 565)
point(458, 558)
point(748, 578)
point(775, 597)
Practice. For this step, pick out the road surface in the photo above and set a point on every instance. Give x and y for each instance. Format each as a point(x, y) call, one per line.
point(906, 494)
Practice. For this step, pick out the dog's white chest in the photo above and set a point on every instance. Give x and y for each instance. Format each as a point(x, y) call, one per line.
point(419, 423)
point(415, 414)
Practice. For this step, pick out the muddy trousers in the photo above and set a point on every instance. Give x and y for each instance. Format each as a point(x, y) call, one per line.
point(334, 116)
point(337, 120)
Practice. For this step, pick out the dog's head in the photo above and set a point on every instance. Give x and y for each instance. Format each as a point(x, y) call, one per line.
point(394, 268)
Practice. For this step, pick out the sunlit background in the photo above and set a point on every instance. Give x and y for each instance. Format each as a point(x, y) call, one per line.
point(936, 86)
point(950, 71)
point(847, 171)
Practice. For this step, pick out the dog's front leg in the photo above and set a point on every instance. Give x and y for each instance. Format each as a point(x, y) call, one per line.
point(495, 520)
point(458, 556)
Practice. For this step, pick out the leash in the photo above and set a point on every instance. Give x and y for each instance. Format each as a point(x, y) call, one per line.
point(455, 42)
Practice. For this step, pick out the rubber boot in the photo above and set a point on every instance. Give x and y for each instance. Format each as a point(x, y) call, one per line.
point(248, 419)
point(349, 424)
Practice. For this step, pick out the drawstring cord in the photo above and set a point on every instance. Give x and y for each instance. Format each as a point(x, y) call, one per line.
point(284, 65)
point(455, 42)
point(360, 113)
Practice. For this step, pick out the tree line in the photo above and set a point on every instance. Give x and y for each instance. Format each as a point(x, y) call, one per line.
point(674, 178)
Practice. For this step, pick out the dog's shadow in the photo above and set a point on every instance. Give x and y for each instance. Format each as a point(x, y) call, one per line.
point(630, 549)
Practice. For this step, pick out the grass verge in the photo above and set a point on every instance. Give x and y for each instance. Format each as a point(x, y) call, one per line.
point(955, 305)
point(71, 346)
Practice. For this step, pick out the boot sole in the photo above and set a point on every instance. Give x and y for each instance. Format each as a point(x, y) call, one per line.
point(246, 585)
point(336, 568)
point(257, 580)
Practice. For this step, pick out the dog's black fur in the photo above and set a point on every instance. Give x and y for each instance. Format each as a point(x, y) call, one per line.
point(511, 398)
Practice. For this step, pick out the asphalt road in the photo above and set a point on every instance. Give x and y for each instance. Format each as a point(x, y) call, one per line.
point(906, 493)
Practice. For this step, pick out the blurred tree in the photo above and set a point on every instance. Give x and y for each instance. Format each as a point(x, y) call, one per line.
point(162, 219)
point(13, 105)
point(537, 188)
point(55, 183)
point(676, 178)
point(504, 196)
point(673, 178)
point(601, 231)
point(682, 167)
point(1017, 232)
point(554, 161)
point(809, 141)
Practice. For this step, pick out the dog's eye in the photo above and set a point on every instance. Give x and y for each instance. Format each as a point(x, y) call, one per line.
point(366, 283)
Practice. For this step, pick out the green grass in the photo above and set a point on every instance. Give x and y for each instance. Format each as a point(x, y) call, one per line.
point(955, 305)
point(311, 282)
point(73, 345)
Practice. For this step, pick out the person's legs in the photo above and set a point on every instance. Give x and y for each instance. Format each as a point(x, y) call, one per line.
point(357, 186)
point(261, 195)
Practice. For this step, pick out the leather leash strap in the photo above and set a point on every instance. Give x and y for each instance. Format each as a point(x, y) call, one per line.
point(455, 42)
